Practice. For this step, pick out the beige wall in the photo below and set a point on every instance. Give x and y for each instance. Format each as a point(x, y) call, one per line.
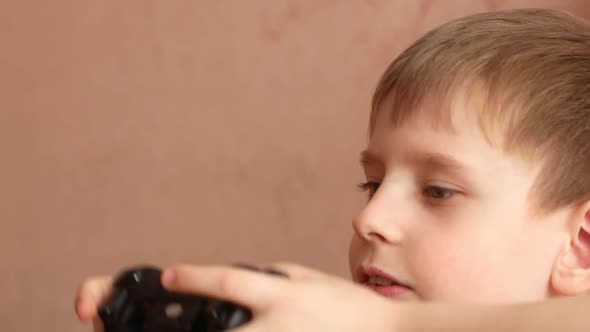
point(201, 131)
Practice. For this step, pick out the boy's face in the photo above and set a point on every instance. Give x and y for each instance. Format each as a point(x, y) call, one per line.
point(449, 217)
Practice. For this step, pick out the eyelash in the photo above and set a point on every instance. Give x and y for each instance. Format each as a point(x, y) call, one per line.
point(370, 186)
point(447, 193)
point(373, 186)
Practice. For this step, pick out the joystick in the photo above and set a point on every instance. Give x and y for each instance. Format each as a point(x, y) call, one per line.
point(139, 303)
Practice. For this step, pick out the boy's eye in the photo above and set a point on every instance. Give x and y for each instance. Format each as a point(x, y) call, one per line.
point(438, 193)
point(370, 186)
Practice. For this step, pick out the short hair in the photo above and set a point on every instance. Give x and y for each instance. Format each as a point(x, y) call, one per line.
point(532, 67)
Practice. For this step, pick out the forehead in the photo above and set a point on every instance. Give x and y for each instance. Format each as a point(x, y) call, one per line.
point(450, 128)
point(458, 112)
point(469, 109)
point(429, 129)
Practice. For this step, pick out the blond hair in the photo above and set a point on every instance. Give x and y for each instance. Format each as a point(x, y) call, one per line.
point(533, 68)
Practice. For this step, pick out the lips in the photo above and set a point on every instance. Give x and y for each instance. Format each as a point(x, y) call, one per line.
point(381, 282)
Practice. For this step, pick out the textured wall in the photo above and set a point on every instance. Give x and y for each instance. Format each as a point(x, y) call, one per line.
point(202, 131)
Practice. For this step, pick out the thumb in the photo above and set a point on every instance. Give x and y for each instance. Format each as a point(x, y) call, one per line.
point(90, 295)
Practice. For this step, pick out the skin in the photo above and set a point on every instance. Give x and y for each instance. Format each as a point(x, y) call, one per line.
point(465, 240)
point(449, 215)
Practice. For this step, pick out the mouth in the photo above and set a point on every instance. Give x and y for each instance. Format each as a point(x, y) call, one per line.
point(381, 282)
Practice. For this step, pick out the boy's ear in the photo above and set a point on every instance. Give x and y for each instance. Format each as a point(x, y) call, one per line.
point(571, 271)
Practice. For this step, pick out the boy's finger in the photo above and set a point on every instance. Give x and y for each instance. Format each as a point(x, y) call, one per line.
point(296, 271)
point(90, 294)
point(254, 290)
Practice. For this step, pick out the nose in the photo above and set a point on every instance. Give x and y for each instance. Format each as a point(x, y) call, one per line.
point(381, 220)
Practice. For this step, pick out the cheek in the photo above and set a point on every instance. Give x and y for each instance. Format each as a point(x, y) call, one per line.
point(456, 265)
point(479, 265)
point(438, 264)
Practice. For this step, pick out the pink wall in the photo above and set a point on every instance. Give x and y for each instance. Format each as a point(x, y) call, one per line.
point(201, 131)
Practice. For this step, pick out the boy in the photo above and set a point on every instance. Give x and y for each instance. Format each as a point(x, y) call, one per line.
point(478, 176)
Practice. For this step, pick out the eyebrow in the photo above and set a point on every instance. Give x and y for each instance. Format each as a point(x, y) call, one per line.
point(368, 157)
point(441, 161)
point(428, 160)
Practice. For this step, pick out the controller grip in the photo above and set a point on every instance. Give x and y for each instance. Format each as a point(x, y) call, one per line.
point(119, 310)
point(223, 316)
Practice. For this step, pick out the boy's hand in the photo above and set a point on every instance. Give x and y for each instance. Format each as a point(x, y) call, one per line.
point(307, 301)
point(90, 295)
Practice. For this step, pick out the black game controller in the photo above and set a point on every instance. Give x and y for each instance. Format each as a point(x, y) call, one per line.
point(139, 303)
